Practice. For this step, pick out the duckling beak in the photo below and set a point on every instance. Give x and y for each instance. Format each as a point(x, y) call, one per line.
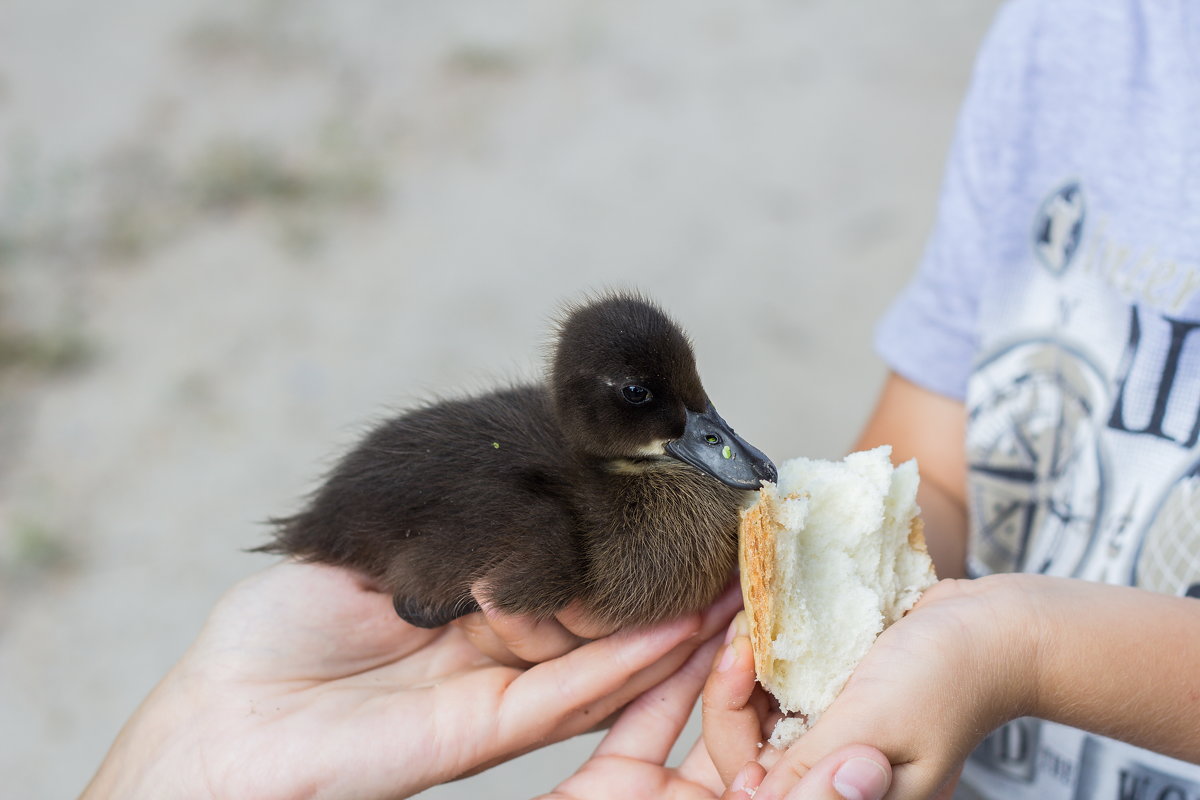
point(709, 444)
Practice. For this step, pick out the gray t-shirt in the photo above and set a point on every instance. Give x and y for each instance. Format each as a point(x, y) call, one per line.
point(1059, 297)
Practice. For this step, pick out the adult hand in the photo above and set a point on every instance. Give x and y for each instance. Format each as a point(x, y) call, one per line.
point(519, 641)
point(927, 692)
point(629, 763)
point(305, 683)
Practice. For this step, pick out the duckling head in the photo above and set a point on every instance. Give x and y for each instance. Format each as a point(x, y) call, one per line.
point(625, 387)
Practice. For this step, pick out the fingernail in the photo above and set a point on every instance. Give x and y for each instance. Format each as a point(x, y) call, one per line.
point(727, 658)
point(732, 632)
point(860, 779)
point(739, 783)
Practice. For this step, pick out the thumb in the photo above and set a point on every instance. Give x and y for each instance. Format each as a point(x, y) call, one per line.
point(854, 772)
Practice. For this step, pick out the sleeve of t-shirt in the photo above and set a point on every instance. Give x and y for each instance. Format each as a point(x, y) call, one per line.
point(929, 333)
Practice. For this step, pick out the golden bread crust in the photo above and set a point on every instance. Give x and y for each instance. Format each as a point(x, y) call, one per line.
point(756, 561)
point(916, 537)
point(822, 630)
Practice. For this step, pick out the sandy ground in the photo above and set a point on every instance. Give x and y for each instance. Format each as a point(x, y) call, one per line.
point(233, 233)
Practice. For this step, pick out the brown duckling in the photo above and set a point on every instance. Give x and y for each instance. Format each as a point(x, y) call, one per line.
point(615, 483)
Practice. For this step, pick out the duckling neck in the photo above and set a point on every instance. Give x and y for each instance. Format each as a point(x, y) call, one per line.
point(662, 544)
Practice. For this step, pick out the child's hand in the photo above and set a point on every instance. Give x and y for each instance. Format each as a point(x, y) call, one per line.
point(934, 684)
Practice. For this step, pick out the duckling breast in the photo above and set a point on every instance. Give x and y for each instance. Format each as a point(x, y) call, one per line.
point(661, 543)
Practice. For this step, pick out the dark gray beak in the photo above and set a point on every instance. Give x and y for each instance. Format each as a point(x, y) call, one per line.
point(709, 444)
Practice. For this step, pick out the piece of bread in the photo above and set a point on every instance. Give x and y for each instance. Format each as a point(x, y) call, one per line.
point(829, 556)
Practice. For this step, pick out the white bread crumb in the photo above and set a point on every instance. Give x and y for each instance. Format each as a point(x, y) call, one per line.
point(849, 560)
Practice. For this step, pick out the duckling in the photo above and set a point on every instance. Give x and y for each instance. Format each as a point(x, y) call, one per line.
point(615, 483)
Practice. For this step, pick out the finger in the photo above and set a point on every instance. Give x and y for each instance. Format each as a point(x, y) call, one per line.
point(649, 726)
point(608, 707)
point(745, 782)
point(534, 725)
point(697, 766)
point(533, 640)
point(539, 709)
point(768, 711)
point(855, 772)
point(480, 634)
point(740, 626)
point(718, 615)
point(548, 693)
point(579, 622)
point(594, 681)
point(844, 725)
point(732, 726)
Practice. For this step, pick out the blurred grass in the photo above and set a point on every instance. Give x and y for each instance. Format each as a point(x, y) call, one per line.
point(478, 60)
point(236, 174)
point(35, 547)
point(31, 551)
point(57, 224)
point(51, 352)
point(134, 198)
point(263, 33)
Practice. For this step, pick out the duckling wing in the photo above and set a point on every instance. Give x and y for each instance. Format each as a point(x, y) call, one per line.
point(446, 496)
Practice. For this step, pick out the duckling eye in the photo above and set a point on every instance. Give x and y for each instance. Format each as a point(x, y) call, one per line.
point(638, 395)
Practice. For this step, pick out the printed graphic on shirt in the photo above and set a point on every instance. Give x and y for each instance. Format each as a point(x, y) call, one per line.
point(1049, 420)
point(1156, 347)
point(1037, 471)
point(1114, 771)
point(1033, 760)
point(1072, 424)
point(1058, 227)
point(1168, 558)
point(1141, 273)
point(1012, 749)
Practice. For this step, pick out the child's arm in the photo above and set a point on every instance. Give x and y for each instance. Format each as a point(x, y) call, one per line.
point(974, 654)
point(931, 428)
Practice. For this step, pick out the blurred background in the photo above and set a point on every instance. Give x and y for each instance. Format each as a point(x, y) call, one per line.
point(233, 233)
